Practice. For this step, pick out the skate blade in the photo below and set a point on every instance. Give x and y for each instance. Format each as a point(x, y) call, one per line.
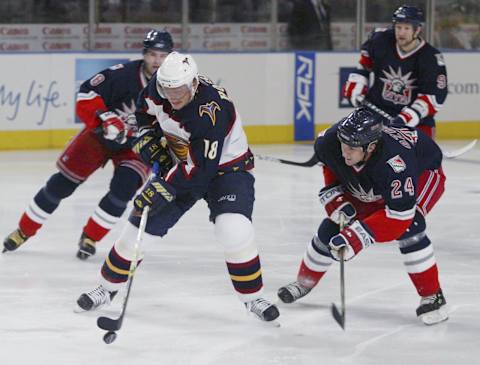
point(261, 322)
point(434, 317)
point(77, 309)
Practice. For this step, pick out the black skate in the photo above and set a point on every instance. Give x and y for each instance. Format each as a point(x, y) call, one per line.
point(95, 299)
point(14, 240)
point(86, 247)
point(263, 309)
point(293, 291)
point(432, 309)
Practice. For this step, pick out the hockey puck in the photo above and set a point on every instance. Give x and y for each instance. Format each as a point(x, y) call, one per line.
point(109, 337)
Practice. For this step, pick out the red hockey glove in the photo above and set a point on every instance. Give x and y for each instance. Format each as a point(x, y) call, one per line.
point(356, 88)
point(114, 128)
point(352, 239)
point(339, 210)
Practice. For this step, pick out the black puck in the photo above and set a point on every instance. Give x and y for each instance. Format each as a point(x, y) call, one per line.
point(109, 337)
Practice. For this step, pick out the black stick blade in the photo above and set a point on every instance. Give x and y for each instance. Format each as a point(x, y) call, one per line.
point(310, 163)
point(339, 318)
point(109, 324)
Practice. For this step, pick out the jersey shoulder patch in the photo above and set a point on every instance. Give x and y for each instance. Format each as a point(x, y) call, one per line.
point(116, 67)
point(97, 79)
point(210, 110)
point(397, 164)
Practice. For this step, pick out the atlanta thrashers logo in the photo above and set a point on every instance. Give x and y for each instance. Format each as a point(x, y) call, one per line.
point(397, 88)
point(209, 109)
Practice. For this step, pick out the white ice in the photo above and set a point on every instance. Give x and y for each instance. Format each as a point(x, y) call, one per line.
point(183, 309)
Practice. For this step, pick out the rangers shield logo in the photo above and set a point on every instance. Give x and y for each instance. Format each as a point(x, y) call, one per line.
point(397, 88)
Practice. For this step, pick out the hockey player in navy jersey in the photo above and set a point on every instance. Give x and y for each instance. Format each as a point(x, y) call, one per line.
point(380, 183)
point(211, 161)
point(410, 77)
point(105, 104)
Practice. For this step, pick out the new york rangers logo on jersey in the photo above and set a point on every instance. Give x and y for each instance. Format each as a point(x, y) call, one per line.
point(397, 88)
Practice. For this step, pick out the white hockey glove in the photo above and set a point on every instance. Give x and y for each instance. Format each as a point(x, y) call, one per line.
point(352, 239)
point(356, 88)
point(114, 128)
point(339, 209)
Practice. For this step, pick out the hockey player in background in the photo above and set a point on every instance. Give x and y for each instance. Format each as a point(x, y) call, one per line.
point(105, 104)
point(379, 185)
point(409, 75)
point(211, 161)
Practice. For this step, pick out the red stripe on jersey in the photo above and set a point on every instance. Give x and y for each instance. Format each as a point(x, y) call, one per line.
point(232, 121)
point(329, 176)
point(431, 185)
point(366, 62)
point(87, 109)
point(386, 229)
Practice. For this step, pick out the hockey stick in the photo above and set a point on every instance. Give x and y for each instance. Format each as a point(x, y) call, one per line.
point(310, 163)
point(339, 315)
point(446, 154)
point(110, 324)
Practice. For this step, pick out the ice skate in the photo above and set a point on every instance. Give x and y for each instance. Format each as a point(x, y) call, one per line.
point(95, 299)
point(293, 291)
point(86, 247)
point(432, 309)
point(14, 240)
point(263, 309)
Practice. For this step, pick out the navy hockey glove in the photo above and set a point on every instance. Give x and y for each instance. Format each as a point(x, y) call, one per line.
point(397, 122)
point(352, 239)
point(114, 128)
point(157, 194)
point(151, 149)
point(339, 210)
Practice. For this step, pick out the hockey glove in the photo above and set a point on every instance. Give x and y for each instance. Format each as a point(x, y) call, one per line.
point(356, 88)
point(157, 194)
point(397, 122)
point(114, 128)
point(152, 149)
point(412, 115)
point(352, 239)
point(339, 210)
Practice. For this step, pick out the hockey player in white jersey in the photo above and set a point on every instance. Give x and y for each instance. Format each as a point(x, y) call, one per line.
point(211, 161)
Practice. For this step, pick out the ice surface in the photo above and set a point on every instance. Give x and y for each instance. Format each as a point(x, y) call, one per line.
point(183, 309)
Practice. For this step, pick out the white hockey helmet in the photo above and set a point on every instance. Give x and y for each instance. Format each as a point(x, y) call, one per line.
point(177, 70)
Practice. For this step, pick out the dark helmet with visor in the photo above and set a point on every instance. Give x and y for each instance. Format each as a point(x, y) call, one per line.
point(408, 14)
point(360, 128)
point(161, 41)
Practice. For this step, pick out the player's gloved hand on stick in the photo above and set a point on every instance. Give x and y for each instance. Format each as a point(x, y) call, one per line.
point(397, 122)
point(352, 239)
point(356, 88)
point(114, 128)
point(152, 150)
point(339, 209)
point(157, 194)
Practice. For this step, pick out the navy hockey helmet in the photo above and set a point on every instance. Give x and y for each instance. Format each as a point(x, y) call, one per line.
point(360, 128)
point(161, 41)
point(408, 14)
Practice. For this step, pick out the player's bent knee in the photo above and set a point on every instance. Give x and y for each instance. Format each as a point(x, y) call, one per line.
point(235, 232)
point(59, 187)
